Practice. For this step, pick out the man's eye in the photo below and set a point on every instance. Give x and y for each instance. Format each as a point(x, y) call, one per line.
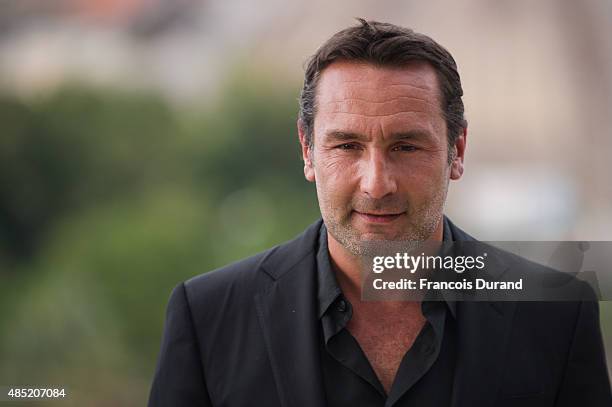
point(347, 146)
point(405, 147)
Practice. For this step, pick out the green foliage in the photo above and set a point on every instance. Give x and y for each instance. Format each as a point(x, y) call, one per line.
point(109, 199)
point(74, 149)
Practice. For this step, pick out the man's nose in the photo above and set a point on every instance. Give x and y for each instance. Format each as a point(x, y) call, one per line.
point(377, 177)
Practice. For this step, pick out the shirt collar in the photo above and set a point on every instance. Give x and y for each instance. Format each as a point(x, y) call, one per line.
point(328, 287)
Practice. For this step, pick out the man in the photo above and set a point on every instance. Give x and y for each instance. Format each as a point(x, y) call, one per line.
point(382, 132)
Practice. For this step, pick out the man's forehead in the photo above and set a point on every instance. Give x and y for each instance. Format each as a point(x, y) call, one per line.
point(345, 79)
point(361, 96)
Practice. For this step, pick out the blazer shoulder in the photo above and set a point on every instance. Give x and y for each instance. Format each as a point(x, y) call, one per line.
point(242, 279)
point(552, 284)
point(239, 277)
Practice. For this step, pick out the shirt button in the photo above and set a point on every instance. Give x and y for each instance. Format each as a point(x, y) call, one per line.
point(341, 306)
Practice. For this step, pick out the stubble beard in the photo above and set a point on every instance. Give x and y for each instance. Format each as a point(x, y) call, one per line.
point(423, 221)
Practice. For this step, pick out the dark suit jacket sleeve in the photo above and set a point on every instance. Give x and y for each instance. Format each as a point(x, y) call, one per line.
point(179, 377)
point(586, 382)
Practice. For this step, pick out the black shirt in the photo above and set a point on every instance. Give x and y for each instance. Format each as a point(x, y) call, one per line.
point(425, 375)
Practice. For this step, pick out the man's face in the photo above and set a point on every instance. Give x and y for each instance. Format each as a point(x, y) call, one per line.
point(380, 154)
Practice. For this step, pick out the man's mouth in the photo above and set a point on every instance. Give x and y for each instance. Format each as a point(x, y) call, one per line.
point(374, 217)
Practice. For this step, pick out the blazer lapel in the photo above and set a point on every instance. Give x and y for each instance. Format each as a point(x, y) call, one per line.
point(483, 334)
point(287, 314)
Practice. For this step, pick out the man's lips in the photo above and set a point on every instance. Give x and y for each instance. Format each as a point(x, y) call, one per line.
point(378, 217)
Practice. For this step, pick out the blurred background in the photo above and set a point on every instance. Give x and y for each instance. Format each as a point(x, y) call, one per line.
point(143, 142)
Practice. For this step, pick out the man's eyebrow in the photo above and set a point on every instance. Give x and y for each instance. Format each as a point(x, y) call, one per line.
point(412, 135)
point(338, 135)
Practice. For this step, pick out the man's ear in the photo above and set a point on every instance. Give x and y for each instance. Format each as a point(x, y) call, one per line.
point(306, 153)
point(457, 163)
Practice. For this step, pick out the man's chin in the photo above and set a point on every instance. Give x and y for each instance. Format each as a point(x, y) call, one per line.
point(384, 234)
point(376, 244)
point(373, 241)
point(382, 246)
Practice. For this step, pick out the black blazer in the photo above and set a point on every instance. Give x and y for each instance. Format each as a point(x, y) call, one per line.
point(247, 335)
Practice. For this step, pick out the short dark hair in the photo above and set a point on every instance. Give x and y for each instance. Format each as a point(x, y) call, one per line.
point(385, 44)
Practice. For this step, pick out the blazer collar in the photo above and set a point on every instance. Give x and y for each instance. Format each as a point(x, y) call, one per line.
point(284, 258)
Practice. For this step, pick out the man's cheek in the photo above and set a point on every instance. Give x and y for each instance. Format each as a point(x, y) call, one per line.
point(337, 162)
point(422, 166)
